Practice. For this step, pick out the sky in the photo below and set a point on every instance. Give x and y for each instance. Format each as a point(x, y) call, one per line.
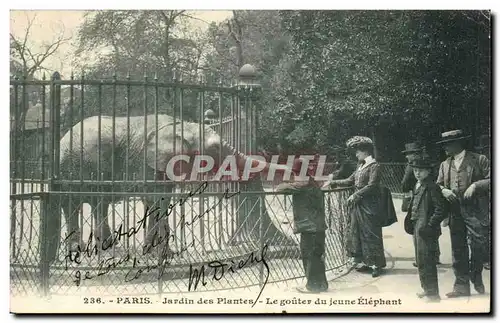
point(48, 24)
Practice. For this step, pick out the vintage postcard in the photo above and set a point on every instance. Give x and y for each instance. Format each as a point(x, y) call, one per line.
point(250, 161)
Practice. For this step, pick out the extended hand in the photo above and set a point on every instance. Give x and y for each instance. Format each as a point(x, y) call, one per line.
point(352, 199)
point(470, 191)
point(449, 195)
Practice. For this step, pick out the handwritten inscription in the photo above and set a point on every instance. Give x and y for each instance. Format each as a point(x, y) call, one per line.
point(220, 269)
point(95, 246)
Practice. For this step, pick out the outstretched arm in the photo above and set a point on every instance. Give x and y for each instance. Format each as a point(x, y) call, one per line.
point(292, 187)
point(343, 182)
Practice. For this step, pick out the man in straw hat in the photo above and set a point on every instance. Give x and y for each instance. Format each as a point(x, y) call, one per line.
point(425, 213)
point(462, 177)
point(414, 150)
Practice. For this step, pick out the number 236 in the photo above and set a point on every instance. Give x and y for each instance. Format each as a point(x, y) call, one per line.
point(92, 300)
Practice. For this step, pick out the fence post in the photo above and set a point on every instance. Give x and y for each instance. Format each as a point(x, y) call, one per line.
point(244, 107)
point(250, 93)
point(50, 217)
point(45, 258)
point(55, 95)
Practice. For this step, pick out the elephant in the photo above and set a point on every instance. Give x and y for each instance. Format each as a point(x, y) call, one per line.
point(141, 134)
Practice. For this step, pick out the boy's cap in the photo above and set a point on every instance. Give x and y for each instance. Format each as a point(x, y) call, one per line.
point(424, 163)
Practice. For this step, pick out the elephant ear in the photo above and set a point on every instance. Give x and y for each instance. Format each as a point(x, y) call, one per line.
point(165, 138)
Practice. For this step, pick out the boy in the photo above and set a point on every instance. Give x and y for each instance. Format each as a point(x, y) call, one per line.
point(414, 150)
point(309, 221)
point(424, 217)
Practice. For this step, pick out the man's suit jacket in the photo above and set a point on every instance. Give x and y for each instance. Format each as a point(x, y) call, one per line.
point(478, 171)
point(429, 204)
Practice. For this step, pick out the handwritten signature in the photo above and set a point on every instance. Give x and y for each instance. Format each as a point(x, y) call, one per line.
point(94, 246)
point(220, 269)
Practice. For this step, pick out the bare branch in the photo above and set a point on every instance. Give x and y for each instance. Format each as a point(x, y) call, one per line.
point(18, 47)
point(195, 18)
point(27, 31)
point(32, 62)
point(232, 33)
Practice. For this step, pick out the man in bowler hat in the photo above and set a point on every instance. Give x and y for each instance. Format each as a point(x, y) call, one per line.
point(462, 177)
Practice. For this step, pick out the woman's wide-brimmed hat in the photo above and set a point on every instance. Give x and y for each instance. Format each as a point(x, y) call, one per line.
point(412, 147)
point(357, 141)
point(425, 163)
point(452, 135)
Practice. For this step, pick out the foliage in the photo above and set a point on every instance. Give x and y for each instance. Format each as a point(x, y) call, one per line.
point(366, 71)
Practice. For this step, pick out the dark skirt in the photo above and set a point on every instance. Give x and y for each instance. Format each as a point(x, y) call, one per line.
point(364, 239)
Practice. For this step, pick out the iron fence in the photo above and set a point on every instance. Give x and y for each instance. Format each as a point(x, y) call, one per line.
point(126, 267)
point(98, 156)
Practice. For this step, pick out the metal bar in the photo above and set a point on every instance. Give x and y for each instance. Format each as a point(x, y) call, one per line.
point(113, 131)
point(42, 175)
point(181, 117)
point(127, 147)
point(232, 141)
point(99, 130)
point(71, 93)
point(221, 132)
point(206, 194)
point(82, 98)
point(99, 220)
point(248, 116)
point(14, 134)
point(31, 212)
point(174, 111)
point(145, 100)
point(161, 204)
point(201, 199)
point(156, 124)
point(13, 226)
point(253, 146)
point(126, 210)
point(181, 85)
point(113, 165)
point(44, 261)
point(134, 212)
point(23, 132)
point(57, 125)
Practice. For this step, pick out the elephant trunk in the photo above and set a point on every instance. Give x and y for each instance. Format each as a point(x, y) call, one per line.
point(256, 163)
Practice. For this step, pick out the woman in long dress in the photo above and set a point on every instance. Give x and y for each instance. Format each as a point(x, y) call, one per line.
point(364, 238)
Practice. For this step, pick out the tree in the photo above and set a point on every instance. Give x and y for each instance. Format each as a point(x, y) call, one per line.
point(27, 58)
point(373, 70)
point(257, 38)
point(140, 45)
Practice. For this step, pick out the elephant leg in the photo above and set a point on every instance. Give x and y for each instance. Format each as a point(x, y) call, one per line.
point(158, 229)
point(102, 231)
point(71, 210)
